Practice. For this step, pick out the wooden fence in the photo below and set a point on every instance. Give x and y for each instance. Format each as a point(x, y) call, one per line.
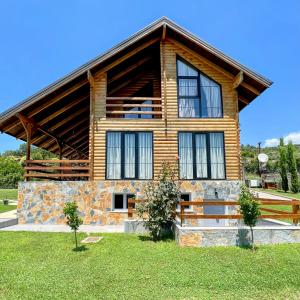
point(57, 169)
point(294, 215)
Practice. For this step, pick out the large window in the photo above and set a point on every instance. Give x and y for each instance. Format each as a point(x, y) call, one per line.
point(129, 155)
point(198, 95)
point(201, 155)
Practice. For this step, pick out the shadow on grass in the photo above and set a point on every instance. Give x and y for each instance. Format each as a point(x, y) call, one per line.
point(165, 238)
point(80, 248)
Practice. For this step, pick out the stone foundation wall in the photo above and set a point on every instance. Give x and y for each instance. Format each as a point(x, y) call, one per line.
point(43, 202)
point(235, 236)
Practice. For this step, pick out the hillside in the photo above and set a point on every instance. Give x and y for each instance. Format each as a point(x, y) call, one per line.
point(249, 157)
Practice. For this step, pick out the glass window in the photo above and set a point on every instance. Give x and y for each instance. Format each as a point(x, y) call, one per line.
point(120, 201)
point(129, 155)
point(198, 95)
point(201, 155)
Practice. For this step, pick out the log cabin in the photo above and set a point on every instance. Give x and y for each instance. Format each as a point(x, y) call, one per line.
point(162, 95)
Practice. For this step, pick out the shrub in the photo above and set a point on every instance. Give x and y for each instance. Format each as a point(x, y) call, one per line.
point(73, 219)
point(250, 209)
point(11, 172)
point(159, 208)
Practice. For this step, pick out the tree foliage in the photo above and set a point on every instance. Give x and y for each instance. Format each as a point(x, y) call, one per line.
point(159, 208)
point(292, 167)
point(249, 208)
point(11, 172)
point(283, 165)
point(73, 219)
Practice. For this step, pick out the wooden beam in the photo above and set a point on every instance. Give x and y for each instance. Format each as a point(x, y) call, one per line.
point(238, 79)
point(250, 88)
point(45, 105)
point(164, 32)
point(91, 138)
point(47, 132)
point(129, 69)
point(243, 99)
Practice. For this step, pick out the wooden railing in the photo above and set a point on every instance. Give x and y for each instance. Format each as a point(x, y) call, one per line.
point(118, 107)
point(294, 215)
point(275, 214)
point(57, 169)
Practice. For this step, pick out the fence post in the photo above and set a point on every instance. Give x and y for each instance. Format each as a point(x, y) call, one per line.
point(295, 211)
point(181, 213)
point(129, 208)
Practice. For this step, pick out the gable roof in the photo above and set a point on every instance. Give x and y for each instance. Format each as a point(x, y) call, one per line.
point(253, 83)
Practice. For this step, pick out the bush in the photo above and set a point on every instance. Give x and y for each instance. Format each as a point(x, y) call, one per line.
point(11, 172)
point(159, 208)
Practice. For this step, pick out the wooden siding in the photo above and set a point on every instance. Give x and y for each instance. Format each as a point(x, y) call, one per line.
point(165, 130)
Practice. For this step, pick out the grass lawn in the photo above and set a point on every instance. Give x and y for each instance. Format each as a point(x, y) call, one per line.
point(43, 266)
point(4, 208)
point(8, 194)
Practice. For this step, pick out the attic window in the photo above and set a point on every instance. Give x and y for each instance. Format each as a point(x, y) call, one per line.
point(198, 95)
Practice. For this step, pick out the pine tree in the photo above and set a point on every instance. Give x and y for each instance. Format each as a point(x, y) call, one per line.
point(292, 167)
point(283, 165)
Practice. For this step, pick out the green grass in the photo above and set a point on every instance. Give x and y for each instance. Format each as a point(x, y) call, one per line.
point(4, 208)
point(43, 266)
point(8, 194)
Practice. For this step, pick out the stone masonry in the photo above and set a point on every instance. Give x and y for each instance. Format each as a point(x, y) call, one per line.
point(43, 202)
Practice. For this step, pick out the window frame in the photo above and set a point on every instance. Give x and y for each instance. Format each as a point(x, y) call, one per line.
point(198, 88)
point(207, 133)
point(137, 159)
point(125, 203)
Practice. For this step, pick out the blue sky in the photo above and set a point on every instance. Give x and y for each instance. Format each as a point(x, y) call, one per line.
point(44, 40)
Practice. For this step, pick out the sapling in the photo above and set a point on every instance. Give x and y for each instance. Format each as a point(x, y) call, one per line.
point(73, 219)
point(249, 209)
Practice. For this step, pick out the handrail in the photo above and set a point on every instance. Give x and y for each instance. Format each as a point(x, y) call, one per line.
point(57, 169)
point(275, 214)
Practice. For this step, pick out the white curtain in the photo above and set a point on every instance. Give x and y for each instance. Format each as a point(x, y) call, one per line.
point(186, 155)
point(129, 155)
point(185, 70)
point(188, 108)
point(188, 87)
point(217, 155)
point(201, 155)
point(113, 167)
point(145, 155)
point(211, 104)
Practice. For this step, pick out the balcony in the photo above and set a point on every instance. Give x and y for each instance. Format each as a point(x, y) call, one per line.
point(134, 107)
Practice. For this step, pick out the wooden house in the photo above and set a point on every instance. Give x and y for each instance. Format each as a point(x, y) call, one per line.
point(162, 95)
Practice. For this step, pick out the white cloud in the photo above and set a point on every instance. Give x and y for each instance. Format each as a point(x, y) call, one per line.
point(293, 136)
point(271, 143)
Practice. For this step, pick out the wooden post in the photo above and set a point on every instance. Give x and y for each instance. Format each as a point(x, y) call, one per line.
point(181, 214)
point(29, 128)
point(130, 214)
point(295, 211)
point(92, 123)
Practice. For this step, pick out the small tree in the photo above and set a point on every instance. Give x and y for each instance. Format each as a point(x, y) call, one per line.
point(250, 209)
point(283, 165)
point(161, 198)
point(292, 167)
point(73, 219)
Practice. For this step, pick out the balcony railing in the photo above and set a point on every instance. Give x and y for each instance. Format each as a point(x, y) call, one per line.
point(133, 107)
point(57, 169)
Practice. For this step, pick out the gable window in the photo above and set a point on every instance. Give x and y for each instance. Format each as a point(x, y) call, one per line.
point(129, 155)
point(120, 201)
point(201, 155)
point(198, 95)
